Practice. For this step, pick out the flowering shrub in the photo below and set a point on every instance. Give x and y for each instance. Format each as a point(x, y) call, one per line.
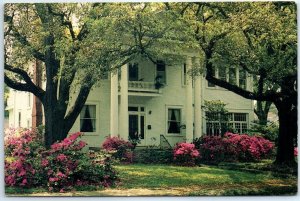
point(248, 148)
point(119, 148)
point(212, 148)
point(296, 151)
point(235, 147)
point(185, 153)
point(22, 147)
point(28, 164)
point(67, 166)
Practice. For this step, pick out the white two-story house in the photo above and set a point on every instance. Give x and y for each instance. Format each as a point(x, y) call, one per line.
point(155, 101)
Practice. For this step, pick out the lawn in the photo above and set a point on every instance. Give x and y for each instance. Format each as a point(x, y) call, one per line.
point(140, 179)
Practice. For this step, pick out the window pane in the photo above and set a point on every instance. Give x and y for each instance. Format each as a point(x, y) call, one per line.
point(222, 73)
point(133, 109)
point(161, 71)
point(174, 121)
point(242, 78)
point(142, 119)
point(133, 72)
point(232, 76)
point(240, 117)
point(88, 118)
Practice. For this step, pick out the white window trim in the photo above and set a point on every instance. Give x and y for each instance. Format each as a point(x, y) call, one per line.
point(97, 118)
point(139, 113)
point(166, 120)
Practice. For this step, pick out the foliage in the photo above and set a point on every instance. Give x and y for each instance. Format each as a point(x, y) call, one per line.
point(77, 45)
point(60, 168)
point(235, 147)
point(22, 148)
point(120, 148)
point(269, 131)
point(260, 39)
point(216, 111)
point(153, 155)
point(185, 154)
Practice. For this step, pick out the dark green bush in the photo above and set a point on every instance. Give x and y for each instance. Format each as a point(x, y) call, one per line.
point(152, 155)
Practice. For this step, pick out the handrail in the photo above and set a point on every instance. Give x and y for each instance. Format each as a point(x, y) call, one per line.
point(164, 140)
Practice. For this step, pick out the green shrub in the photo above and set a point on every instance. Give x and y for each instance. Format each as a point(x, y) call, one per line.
point(153, 155)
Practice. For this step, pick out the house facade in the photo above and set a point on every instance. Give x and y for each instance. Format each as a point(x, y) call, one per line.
point(157, 102)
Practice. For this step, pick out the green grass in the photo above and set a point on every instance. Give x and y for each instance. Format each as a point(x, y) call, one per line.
point(205, 180)
point(191, 181)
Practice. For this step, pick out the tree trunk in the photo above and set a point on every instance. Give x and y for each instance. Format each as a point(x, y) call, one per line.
point(262, 112)
point(287, 129)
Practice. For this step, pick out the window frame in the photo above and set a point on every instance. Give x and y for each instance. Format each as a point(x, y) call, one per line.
point(165, 72)
point(96, 104)
point(175, 107)
point(139, 113)
point(232, 122)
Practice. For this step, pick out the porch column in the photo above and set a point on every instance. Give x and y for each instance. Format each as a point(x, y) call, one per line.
point(114, 123)
point(123, 129)
point(197, 102)
point(189, 102)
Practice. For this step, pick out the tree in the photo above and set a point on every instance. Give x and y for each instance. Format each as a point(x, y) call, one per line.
point(261, 39)
point(77, 45)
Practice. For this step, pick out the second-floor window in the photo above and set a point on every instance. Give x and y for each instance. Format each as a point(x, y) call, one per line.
point(161, 71)
point(88, 118)
point(232, 75)
point(133, 72)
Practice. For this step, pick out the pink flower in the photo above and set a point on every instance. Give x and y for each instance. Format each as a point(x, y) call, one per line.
point(61, 157)
point(45, 162)
point(296, 151)
point(53, 179)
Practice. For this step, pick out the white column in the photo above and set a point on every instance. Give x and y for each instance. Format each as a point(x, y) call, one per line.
point(114, 123)
point(189, 102)
point(123, 129)
point(197, 102)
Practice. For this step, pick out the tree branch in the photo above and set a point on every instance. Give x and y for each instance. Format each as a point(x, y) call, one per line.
point(29, 87)
point(22, 39)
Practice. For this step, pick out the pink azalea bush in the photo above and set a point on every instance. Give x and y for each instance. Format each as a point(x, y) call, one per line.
point(67, 166)
point(60, 168)
point(119, 147)
point(22, 147)
point(235, 147)
point(185, 154)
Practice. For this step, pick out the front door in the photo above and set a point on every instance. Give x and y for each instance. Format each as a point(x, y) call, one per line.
point(137, 125)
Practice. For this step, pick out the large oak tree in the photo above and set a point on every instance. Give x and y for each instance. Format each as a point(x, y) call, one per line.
point(261, 39)
point(77, 45)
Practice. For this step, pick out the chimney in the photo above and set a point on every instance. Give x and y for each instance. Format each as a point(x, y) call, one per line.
point(37, 108)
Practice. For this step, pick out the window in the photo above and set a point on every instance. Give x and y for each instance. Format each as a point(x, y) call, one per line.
point(237, 122)
point(174, 121)
point(133, 72)
point(161, 71)
point(232, 75)
point(242, 79)
point(88, 118)
point(214, 74)
point(222, 73)
point(184, 75)
point(136, 122)
point(20, 120)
